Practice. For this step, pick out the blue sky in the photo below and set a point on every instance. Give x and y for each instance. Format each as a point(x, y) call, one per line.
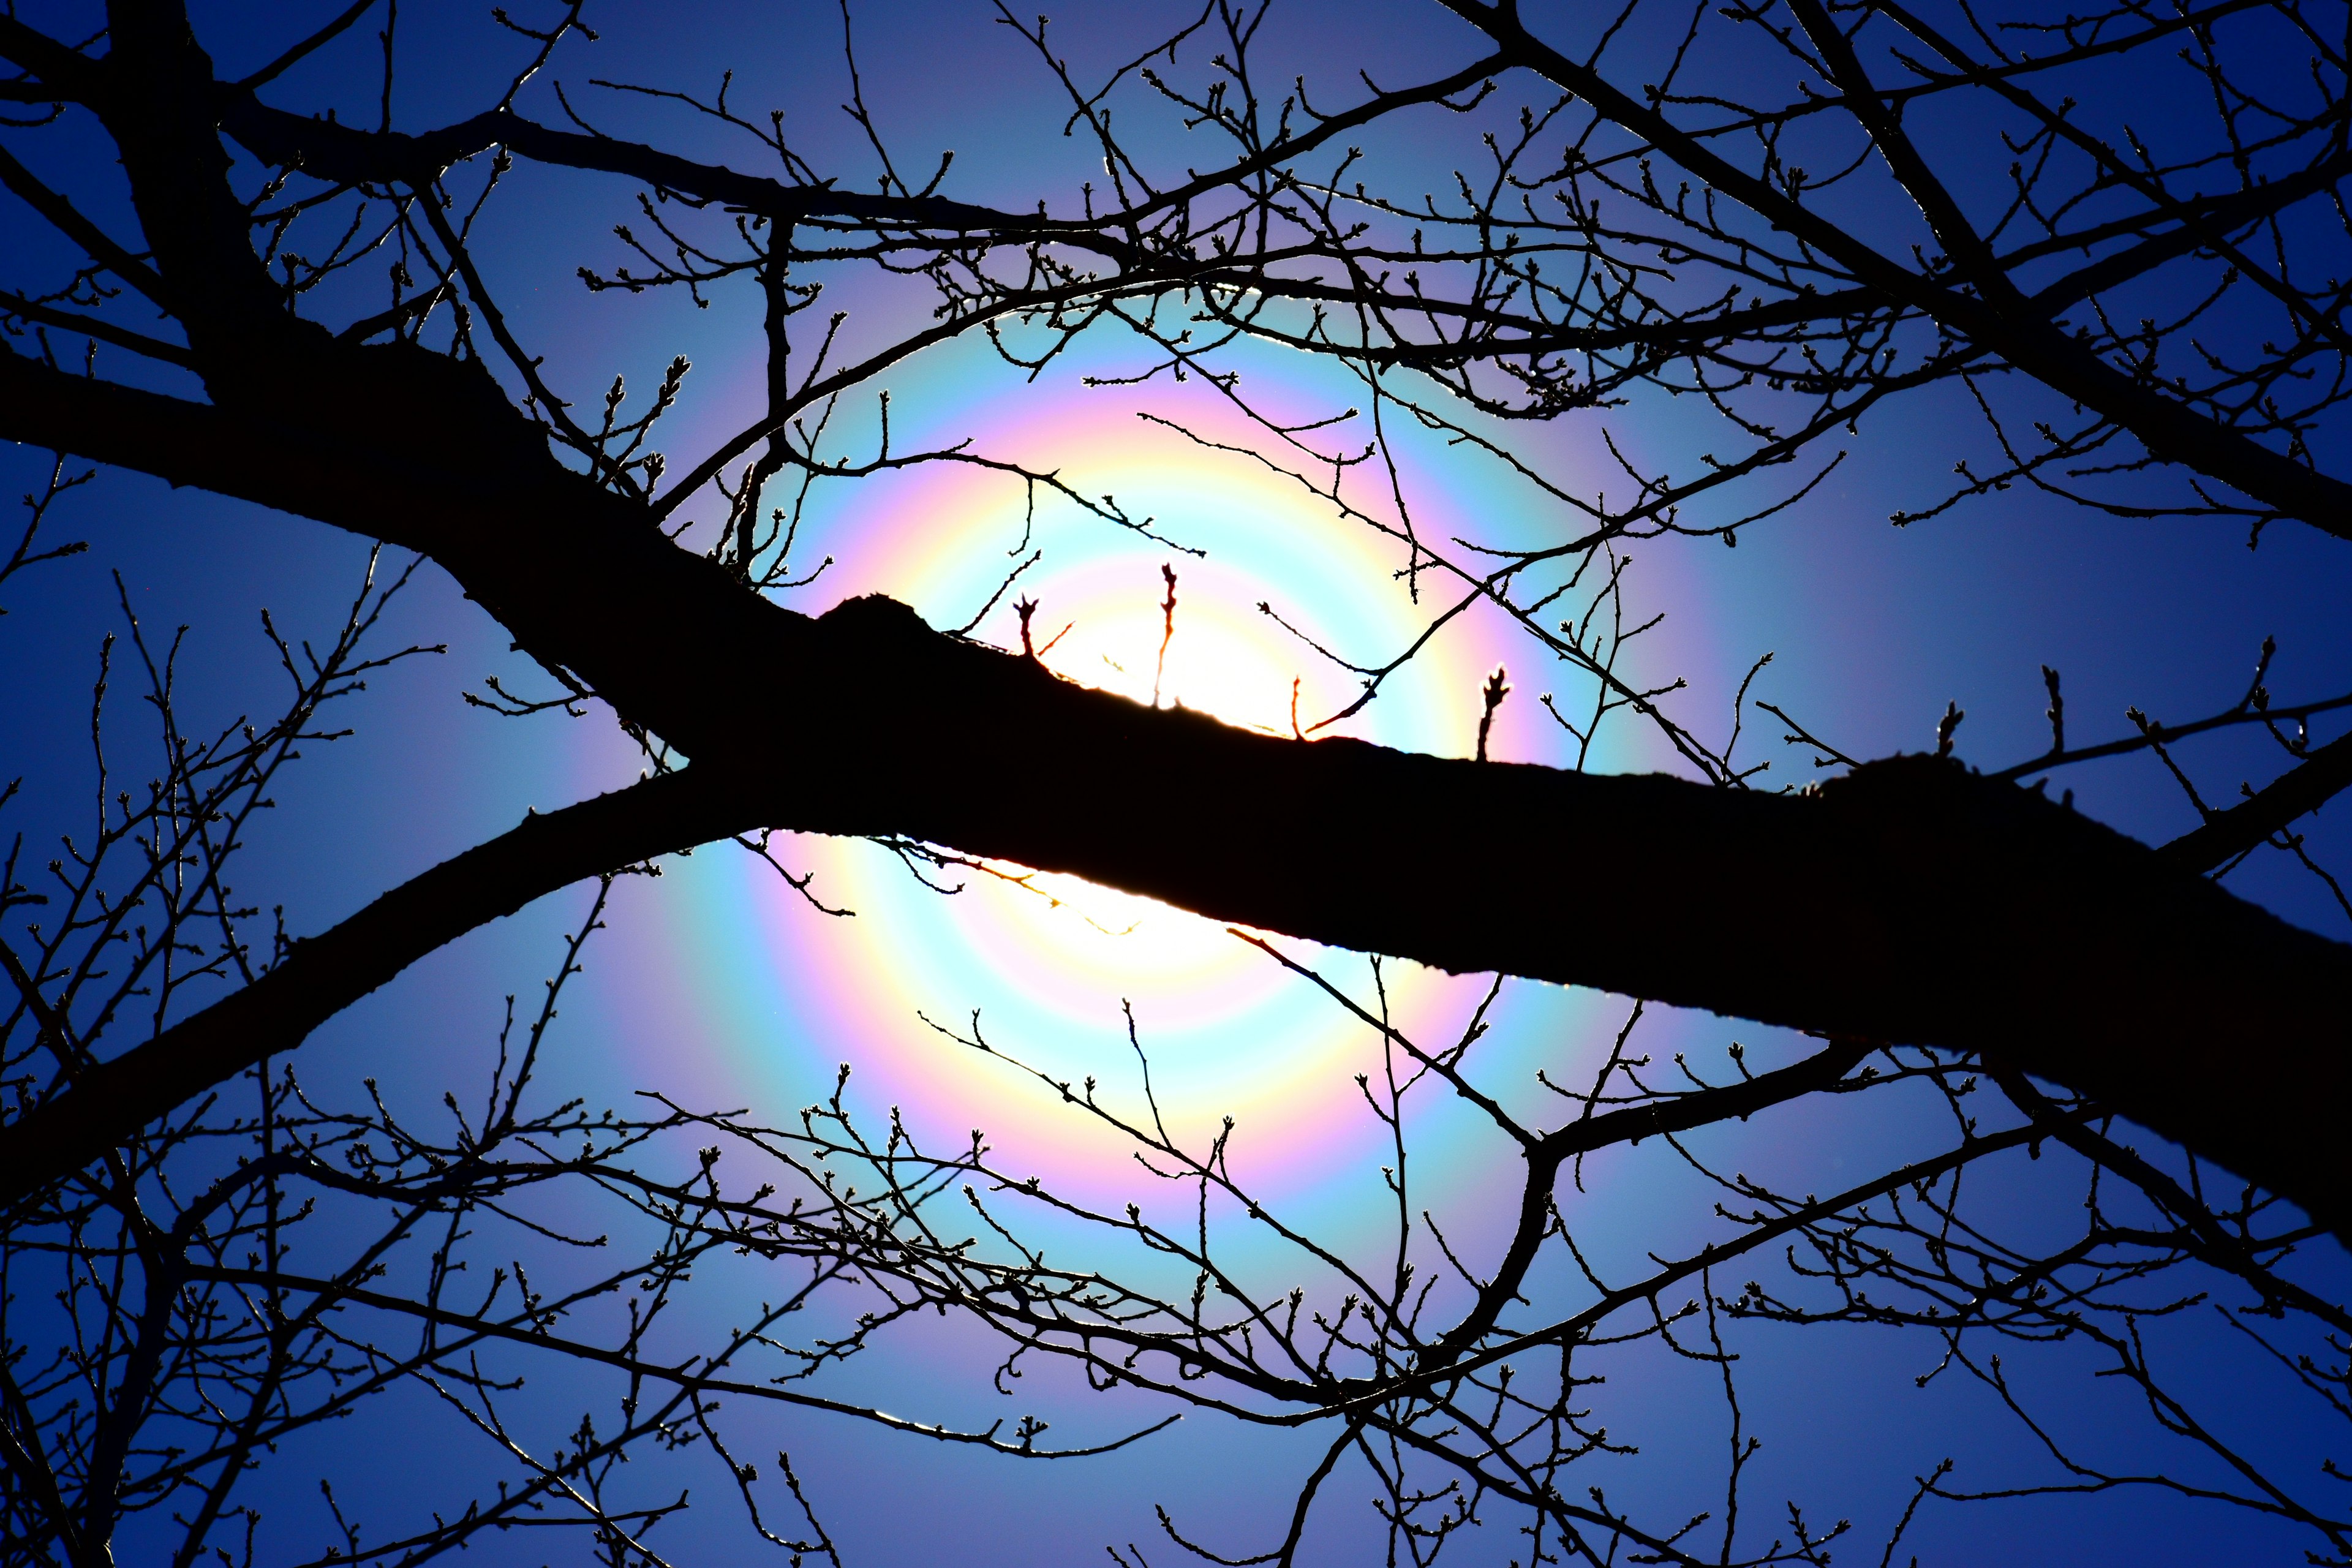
point(718, 987)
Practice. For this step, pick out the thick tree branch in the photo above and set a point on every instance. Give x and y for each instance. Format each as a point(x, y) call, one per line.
point(159, 115)
point(323, 975)
point(2194, 222)
point(62, 215)
point(89, 326)
point(2311, 784)
point(65, 75)
point(1909, 903)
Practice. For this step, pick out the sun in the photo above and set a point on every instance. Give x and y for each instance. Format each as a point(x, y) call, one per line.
point(1056, 966)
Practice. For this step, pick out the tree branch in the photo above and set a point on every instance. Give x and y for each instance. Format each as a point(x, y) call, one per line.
point(323, 974)
point(2035, 345)
point(2320, 777)
point(345, 154)
point(1910, 902)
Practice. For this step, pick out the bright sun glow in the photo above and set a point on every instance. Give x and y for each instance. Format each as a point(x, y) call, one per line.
point(1048, 963)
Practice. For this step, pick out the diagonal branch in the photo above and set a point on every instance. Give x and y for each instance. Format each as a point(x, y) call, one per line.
point(320, 976)
point(2033, 344)
point(2307, 787)
point(345, 154)
point(342, 153)
point(1910, 902)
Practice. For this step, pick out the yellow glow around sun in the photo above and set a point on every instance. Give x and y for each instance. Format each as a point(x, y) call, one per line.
point(1053, 965)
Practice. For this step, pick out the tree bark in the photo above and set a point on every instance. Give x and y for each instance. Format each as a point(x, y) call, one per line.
point(1909, 903)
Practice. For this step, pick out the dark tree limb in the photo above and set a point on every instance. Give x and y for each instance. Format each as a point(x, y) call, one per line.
point(110, 1102)
point(158, 112)
point(2311, 784)
point(1908, 902)
point(89, 326)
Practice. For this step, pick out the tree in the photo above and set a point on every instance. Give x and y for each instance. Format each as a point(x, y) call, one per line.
point(2147, 321)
